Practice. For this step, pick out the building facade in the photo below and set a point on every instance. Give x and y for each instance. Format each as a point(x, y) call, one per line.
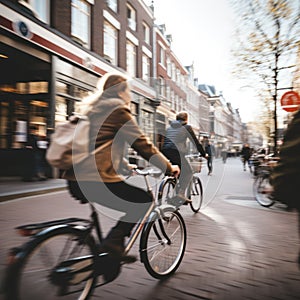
point(52, 54)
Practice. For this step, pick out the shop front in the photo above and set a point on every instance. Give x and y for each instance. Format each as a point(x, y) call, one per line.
point(43, 80)
point(24, 102)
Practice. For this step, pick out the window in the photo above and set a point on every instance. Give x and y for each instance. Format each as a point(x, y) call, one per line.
point(67, 101)
point(131, 58)
point(147, 121)
point(146, 31)
point(131, 17)
point(169, 67)
point(146, 68)
point(162, 87)
point(178, 77)
point(110, 45)
point(113, 5)
point(41, 8)
point(162, 56)
point(81, 17)
point(173, 72)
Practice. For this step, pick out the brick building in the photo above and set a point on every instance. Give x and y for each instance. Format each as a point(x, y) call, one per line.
point(54, 52)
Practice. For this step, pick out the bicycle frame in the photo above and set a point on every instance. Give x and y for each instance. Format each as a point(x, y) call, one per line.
point(73, 263)
point(38, 229)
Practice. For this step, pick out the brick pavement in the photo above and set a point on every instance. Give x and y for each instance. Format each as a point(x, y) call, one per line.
point(235, 250)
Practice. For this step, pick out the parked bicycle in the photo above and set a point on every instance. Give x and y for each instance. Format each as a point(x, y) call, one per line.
point(262, 186)
point(61, 258)
point(170, 186)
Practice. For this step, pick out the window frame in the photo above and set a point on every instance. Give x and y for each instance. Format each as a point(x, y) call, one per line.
point(132, 19)
point(113, 5)
point(146, 33)
point(114, 37)
point(77, 33)
point(132, 70)
point(146, 68)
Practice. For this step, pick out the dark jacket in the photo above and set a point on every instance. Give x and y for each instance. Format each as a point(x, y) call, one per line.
point(177, 135)
point(246, 152)
point(112, 128)
point(209, 149)
point(285, 177)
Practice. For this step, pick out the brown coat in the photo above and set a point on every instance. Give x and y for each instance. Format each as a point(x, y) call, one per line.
point(112, 127)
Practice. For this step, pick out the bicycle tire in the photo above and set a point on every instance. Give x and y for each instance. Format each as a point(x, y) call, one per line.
point(196, 194)
point(28, 278)
point(260, 185)
point(166, 191)
point(161, 259)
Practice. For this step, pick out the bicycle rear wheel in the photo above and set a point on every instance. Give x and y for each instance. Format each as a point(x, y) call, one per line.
point(196, 194)
point(261, 186)
point(31, 276)
point(163, 243)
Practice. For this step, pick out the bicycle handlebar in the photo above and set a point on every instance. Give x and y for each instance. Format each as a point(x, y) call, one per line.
point(150, 172)
point(193, 155)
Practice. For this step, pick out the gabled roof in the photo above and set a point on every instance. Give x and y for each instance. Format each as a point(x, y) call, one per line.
point(210, 90)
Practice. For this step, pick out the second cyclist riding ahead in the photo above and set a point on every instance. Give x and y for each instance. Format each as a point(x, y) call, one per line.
point(61, 260)
point(170, 185)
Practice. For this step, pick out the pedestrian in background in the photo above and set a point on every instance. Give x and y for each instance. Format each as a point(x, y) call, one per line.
point(210, 152)
point(30, 172)
point(224, 155)
point(285, 177)
point(42, 144)
point(246, 154)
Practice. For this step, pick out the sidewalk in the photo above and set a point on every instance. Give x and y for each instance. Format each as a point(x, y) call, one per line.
point(14, 187)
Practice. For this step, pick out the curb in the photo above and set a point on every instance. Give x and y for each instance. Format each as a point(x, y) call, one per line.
point(30, 193)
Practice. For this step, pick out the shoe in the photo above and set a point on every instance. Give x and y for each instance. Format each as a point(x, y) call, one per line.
point(179, 199)
point(113, 244)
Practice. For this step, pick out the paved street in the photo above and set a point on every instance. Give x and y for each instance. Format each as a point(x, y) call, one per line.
point(236, 249)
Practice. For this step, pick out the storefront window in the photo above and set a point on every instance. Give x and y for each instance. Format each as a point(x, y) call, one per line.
point(22, 104)
point(147, 121)
point(68, 100)
point(4, 124)
point(60, 110)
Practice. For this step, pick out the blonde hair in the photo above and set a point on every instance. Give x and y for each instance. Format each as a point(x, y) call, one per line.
point(109, 85)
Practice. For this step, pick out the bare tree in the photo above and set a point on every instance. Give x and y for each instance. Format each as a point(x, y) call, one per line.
point(267, 39)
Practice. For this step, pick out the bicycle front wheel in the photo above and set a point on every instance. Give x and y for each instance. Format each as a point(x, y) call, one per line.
point(163, 244)
point(196, 194)
point(31, 276)
point(261, 188)
point(166, 191)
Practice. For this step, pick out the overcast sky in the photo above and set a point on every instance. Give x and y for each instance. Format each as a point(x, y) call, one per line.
point(202, 35)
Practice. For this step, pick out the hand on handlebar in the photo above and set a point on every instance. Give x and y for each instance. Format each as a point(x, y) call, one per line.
point(175, 170)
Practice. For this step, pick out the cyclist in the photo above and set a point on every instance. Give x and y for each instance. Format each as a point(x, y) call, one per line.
point(285, 177)
point(175, 148)
point(99, 179)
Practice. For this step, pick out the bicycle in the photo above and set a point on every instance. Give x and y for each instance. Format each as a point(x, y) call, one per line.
point(262, 186)
point(61, 259)
point(170, 185)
